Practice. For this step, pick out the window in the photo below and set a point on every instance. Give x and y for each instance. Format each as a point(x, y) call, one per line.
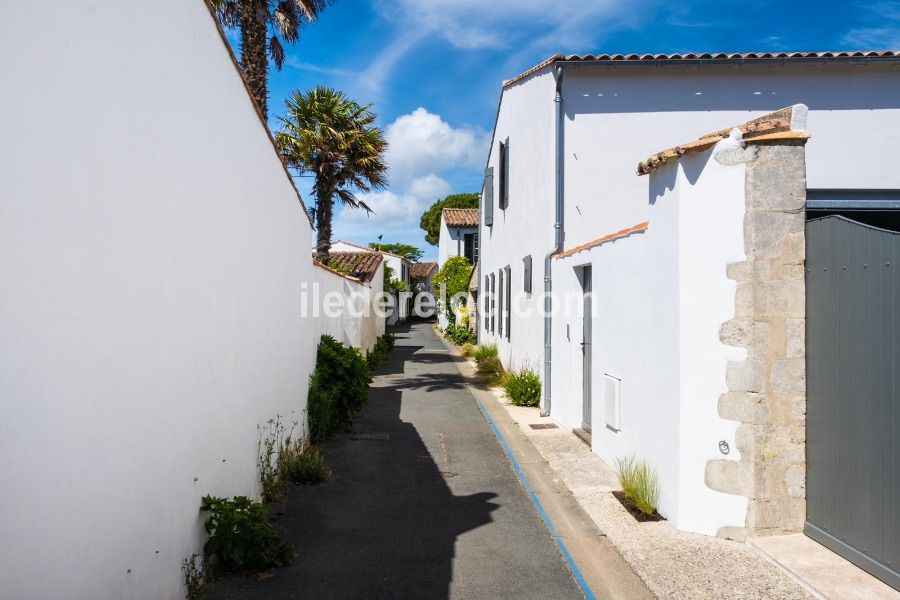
point(526, 284)
point(470, 247)
point(504, 174)
point(508, 297)
point(487, 197)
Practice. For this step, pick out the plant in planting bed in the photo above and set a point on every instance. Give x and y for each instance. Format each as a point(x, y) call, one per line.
point(523, 388)
point(640, 488)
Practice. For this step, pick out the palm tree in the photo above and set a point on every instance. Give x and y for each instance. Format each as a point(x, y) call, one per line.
point(263, 24)
point(334, 138)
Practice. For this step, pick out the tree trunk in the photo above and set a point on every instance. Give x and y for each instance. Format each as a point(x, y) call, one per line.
point(254, 61)
point(324, 211)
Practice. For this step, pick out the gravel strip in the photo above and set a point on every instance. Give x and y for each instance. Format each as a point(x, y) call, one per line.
point(674, 564)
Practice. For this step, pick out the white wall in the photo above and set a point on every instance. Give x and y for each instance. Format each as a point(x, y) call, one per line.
point(660, 298)
point(152, 250)
point(361, 327)
point(526, 226)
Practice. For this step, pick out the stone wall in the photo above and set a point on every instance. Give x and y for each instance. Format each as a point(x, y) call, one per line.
point(767, 391)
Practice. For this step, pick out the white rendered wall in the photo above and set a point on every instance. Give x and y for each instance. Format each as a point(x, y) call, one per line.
point(450, 241)
point(152, 251)
point(329, 295)
point(526, 226)
point(616, 117)
point(660, 298)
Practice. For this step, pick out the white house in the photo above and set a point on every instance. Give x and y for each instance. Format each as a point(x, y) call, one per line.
point(674, 359)
point(458, 235)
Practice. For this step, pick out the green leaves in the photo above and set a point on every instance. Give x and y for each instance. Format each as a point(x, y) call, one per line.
point(454, 275)
point(334, 138)
point(639, 482)
point(241, 537)
point(407, 251)
point(523, 388)
point(431, 218)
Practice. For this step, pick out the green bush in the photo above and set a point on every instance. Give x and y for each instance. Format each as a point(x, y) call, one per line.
point(491, 370)
point(320, 408)
point(383, 345)
point(241, 537)
point(483, 352)
point(346, 371)
point(302, 463)
point(460, 334)
point(467, 349)
point(523, 388)
point(639, 482)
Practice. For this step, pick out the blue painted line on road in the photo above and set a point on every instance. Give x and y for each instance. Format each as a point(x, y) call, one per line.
point(570, 562)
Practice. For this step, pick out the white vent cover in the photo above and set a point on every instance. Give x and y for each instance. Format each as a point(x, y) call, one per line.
point(612, 397)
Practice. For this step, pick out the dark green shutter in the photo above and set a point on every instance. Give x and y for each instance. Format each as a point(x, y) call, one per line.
point(508, 300)
point(526, 286)
point(487, 196)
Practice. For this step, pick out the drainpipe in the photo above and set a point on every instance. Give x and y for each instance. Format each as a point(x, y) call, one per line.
point(558, 242)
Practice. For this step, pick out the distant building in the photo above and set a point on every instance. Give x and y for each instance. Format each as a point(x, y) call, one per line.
point(458, 234)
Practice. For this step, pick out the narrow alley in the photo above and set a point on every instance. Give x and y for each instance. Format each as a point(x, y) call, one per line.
point(422, 502)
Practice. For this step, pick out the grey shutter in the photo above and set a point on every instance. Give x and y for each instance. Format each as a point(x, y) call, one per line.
point(508, 300)
point(526, 285)
point(487, 196)
point(506, 174)
point(486, 294)
point(502, 304)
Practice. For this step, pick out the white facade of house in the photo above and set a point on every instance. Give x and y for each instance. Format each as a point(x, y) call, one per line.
point(451, 241)
point(660, 296)
point(153, 264)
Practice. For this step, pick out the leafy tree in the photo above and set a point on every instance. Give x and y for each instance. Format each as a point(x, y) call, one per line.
point(454, 275)
point(263, 25)
point(327, 134)
point(392, 283)
point(431, 218)
point(410, 253)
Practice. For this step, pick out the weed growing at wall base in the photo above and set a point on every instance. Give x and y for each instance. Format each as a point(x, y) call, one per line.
point(241, 537)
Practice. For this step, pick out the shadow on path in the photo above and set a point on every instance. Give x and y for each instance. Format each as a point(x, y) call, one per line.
point(386, 524)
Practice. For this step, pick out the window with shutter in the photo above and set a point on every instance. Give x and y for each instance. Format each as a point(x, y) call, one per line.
point(486, 294)
point(504, 175)
point(508, 297)
point(526, 284)
point(493, 303)
point(502, 304)
point(487, 197)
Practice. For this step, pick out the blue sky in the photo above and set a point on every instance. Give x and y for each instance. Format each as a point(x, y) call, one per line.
point(432, 69)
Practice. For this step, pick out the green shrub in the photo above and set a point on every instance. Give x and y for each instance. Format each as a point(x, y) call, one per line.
point(319, 409)
point(523, 388)
point(302, 463)
point(482, 352)
point(491, 370)
point(241, 537)
point(383, 345)
point(460, 334)
point(639, 482)
point(268, 444)
point(346, 371)
point(468, 349)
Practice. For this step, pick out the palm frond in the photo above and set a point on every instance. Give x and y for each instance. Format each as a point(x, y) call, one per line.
point(276, 51)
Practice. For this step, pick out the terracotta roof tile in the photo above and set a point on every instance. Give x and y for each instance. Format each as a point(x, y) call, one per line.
point(362, 265)
point(421, 270)
point(461, 217)
point(780, 123)
point(712, 57)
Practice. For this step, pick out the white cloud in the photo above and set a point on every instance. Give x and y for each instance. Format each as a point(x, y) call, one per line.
point(882, 30)
point(420, 143)
point(392, 212)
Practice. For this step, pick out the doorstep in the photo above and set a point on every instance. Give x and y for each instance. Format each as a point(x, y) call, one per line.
point(820, 571)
